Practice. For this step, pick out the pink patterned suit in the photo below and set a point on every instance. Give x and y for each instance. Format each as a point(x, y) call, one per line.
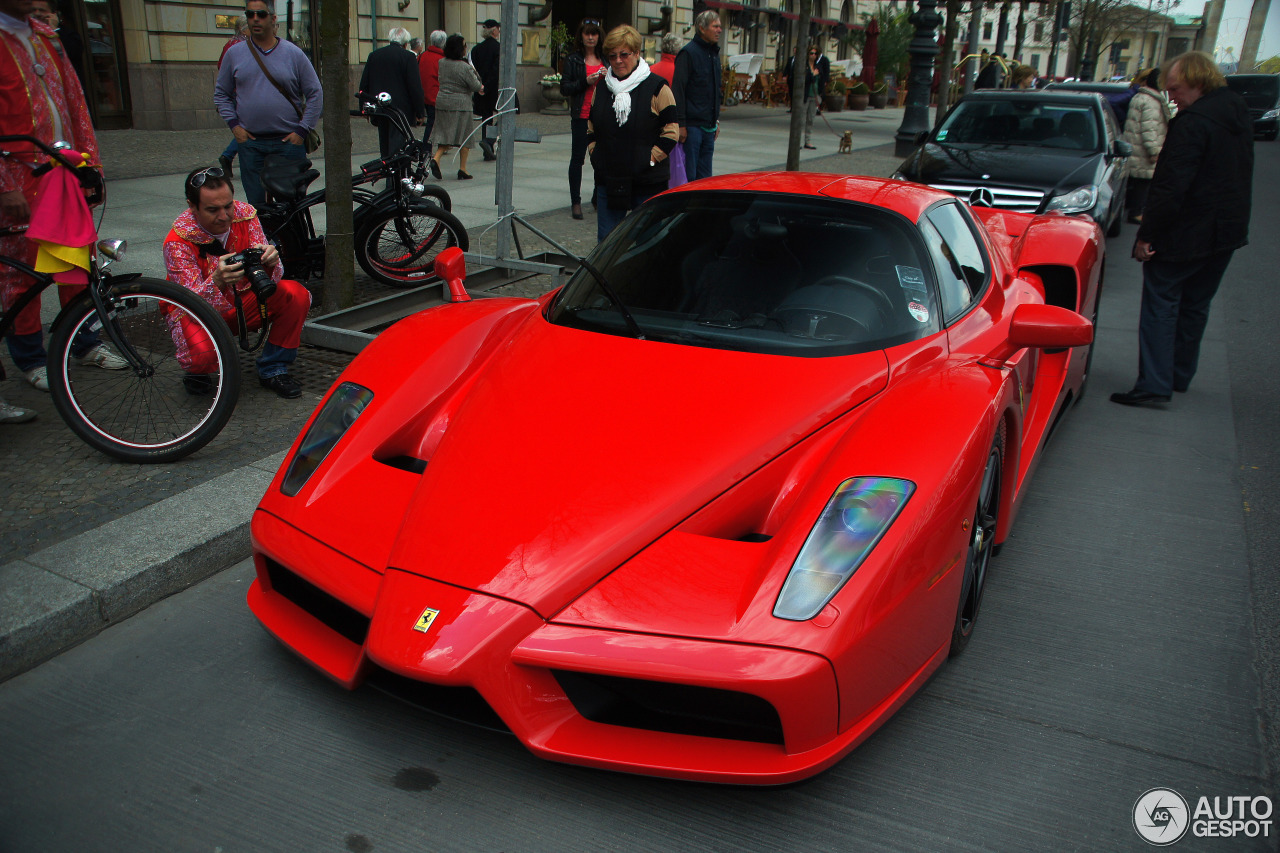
point(40, 96)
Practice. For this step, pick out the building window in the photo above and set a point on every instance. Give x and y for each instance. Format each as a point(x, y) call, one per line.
point(986, 31)
point(1039, 32)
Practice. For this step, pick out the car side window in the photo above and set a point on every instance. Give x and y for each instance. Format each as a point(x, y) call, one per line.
point(957, 257)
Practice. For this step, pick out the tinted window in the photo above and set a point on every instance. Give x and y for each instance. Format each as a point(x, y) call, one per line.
point(1260, 92)
point(758, 272)
point(957, 257)
point(1022, 121)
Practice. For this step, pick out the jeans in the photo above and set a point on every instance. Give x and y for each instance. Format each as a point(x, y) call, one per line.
point(578, 154)
point(252, 154)
point(607, 219)
point(28, 352)
point(698, 148)
point(1175, 310)
point(232, 148)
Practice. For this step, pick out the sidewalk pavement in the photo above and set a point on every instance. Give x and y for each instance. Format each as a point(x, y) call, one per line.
point(86, 541)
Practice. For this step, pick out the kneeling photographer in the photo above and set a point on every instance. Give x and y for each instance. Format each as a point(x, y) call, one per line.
point(217, 249)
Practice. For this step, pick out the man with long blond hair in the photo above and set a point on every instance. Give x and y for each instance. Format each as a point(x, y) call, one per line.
point(1196, 216)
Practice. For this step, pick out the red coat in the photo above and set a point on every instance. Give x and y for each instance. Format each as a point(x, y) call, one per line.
point(665, 67)
point(429, 71)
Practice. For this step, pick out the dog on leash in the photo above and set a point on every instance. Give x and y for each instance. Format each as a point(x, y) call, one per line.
point(846, 143)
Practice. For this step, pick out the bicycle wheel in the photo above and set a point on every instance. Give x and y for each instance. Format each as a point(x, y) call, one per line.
point(400, 249)
point(170, 406)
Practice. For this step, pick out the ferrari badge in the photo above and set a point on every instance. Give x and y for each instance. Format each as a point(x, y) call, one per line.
point(424, 621)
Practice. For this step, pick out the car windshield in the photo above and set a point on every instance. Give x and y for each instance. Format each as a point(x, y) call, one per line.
point(1022, 121)
point(758, 272)
point(1260, 92)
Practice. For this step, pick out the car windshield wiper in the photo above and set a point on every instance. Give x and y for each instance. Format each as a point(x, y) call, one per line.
point(614, 298)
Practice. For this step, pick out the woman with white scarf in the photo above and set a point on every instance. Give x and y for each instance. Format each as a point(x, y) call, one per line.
point(631, 131)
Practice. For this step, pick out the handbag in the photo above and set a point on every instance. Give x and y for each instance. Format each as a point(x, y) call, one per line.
point(312, 141)
point(678, 173)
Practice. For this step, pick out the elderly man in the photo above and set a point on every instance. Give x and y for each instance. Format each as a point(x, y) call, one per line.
point(1196, 216)
point(198, 253)
point(697, 87)
point(268, 94)
point(394, 69)
point(486, 57)
point(429, 75)
point(41, 97)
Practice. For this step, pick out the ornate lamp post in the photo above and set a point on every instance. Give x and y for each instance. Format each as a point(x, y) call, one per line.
point(923, 48)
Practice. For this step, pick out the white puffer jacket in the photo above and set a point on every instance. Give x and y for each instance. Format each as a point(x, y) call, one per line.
point(1144, 129)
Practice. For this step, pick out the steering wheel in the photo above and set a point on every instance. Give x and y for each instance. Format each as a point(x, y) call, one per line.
point(813, 317)
point(844, 281)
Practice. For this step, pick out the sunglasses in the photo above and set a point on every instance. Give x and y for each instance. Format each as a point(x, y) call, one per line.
point(614, 57)
point(591, 21)
point(256, 13)
point(198, 179)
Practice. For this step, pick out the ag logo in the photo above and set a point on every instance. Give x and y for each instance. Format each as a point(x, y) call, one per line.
point(1161, 816)
point(424, 621)
point(982, 197)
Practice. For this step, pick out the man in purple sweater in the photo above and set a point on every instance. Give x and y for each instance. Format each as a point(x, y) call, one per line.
point(263, 120)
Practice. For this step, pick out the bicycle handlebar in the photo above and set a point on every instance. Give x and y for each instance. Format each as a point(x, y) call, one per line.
point(89, 179)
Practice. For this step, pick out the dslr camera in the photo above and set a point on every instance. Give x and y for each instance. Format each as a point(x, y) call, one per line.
point(260, 280)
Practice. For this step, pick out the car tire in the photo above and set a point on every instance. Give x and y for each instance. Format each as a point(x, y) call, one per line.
point(981, 546)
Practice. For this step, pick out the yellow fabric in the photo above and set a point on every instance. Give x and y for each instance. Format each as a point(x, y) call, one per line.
point(53, 258)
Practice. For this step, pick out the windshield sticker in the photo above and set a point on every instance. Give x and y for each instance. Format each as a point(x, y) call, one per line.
point(918, 311)
point(942, 136)
point(911, 278)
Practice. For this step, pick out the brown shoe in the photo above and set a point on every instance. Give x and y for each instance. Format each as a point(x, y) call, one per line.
point(577, 211)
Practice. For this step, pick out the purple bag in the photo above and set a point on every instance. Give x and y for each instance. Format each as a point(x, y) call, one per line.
point(678, 174)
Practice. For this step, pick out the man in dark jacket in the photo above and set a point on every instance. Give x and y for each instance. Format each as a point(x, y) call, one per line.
point(1196, 216)
point(697, 86)
point(485, 58)
point(394, 69)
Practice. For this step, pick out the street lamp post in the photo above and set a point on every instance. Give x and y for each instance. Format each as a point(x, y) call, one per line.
point(923, 48)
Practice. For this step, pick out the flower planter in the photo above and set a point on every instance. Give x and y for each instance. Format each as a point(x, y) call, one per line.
point(557, 102)
point(833, 103)
point(879, 100)
point(858, 101)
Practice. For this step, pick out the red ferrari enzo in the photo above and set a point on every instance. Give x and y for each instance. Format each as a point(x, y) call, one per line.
point(716, 508)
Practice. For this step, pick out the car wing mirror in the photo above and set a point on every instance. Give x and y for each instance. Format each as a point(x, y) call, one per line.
point(922, 137)
point(1041, 327)
point(1120, 148)
point(451, 267)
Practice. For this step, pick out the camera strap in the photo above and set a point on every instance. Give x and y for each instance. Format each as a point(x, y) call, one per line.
point(217, 250)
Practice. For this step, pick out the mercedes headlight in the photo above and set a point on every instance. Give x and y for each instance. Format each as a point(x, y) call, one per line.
point(851, 524)
point(336, 416)
point(1079, 200)
point(1270, 114)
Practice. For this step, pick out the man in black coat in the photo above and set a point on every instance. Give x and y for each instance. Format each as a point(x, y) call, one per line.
point(1196, 216)
point(394, 69)
point(485, 58)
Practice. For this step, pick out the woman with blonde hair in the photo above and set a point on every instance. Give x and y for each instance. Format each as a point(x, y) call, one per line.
point(1144, 129)
point(631, 131)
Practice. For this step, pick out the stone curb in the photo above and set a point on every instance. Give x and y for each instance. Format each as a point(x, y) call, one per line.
point(68, 592)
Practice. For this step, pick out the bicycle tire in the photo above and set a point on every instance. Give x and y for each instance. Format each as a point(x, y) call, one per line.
point(145, 417)
point(400, 249)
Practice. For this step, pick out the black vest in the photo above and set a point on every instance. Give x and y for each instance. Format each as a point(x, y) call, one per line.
point(625, 152)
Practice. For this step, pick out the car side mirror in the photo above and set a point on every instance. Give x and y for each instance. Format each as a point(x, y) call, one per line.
point(1041, 327)
point(922, 137)
point(1120, 148)
point(451, 267)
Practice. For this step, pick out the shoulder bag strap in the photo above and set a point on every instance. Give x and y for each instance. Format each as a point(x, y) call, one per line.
point(253, 48)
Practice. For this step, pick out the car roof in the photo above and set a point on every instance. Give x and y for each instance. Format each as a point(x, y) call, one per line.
point(1090, 86)
point(1057, 95)
point(907, 199)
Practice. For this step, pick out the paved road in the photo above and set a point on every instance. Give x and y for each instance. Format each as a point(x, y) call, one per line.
point(1117, 652)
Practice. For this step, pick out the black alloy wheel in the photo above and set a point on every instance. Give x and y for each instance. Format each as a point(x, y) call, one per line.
point(982, 542)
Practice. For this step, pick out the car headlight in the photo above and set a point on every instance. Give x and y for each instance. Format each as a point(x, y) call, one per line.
point(851, 524)
point(1079, 200)
point(336, 416)
point(1270, 114)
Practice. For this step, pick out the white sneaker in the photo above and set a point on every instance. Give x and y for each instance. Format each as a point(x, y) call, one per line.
point(38, 377)
point(102, 356)
point(15, 414)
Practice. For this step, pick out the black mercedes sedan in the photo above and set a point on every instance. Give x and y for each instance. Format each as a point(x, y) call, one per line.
point(1028, 150)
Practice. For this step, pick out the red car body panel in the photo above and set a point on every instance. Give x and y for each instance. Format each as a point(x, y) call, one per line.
point(524, 506)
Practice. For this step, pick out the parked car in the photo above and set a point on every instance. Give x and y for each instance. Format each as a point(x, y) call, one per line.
point(716, 508)
point(1262, 93)
point(1034, 151)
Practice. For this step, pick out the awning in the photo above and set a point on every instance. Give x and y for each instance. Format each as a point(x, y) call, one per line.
point(824, 22)
point(724, 4)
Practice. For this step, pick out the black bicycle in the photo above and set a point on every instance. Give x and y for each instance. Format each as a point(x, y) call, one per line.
point(145, 411)
point(399, 230)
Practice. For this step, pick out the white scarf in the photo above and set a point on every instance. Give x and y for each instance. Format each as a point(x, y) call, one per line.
point(621, 90)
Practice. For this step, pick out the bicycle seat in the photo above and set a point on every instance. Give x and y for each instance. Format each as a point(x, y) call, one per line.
point(287, 179)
